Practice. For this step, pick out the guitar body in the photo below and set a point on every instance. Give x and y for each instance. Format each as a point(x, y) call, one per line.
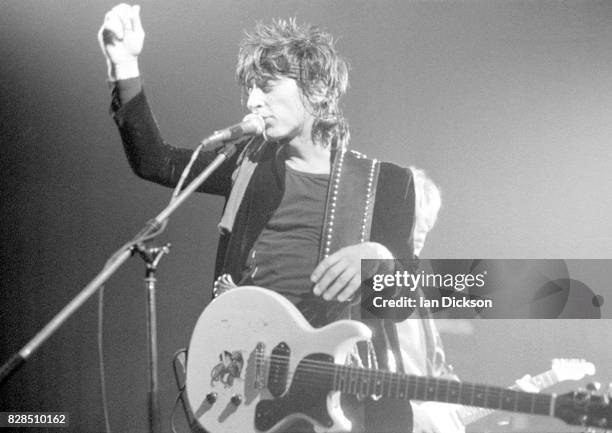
point(256, 365)
point(246, 370)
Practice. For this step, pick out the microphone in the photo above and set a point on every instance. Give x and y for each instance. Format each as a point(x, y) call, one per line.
point(252, 124)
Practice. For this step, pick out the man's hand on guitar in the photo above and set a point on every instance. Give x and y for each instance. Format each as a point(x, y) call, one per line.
point(525, 383)
point(338, 276)
point(121, 38)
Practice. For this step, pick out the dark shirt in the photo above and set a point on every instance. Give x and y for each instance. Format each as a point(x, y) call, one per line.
point(286, 252)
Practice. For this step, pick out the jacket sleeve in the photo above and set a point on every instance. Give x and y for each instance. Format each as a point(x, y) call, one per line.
point(154, 160)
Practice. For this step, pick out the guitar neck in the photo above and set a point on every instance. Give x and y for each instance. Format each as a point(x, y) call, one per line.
point(468, 414)
point(357, 381)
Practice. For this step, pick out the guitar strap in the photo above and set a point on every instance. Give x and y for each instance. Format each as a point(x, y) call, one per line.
point(348, 221)
point(350, 201)
point(348, 214)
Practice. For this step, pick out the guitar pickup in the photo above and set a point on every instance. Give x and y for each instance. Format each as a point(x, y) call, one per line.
point(279, 369)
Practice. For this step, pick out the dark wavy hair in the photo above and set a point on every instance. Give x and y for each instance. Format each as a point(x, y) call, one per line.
point(307, 55)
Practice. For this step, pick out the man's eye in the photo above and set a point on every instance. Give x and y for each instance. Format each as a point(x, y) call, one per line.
point(266, 86)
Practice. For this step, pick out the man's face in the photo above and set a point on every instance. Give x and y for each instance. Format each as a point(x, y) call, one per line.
point(279, 101)
point(422, 226)
point(420, 233)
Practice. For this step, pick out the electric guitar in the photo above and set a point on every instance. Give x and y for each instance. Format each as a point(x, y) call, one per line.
point(256, 365)
point(451, 418)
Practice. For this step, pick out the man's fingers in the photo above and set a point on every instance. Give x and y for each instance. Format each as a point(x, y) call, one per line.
point(322, 267)
point(107, 36)
point(136, 22)
point(126, 20)
point(121, 19)
point(122, 10)
point(112, 29)
point(329, 275)
point(340, 280)
point(350, 289)
point(343, 287)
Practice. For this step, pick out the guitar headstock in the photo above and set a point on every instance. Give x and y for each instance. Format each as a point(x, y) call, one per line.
point(572, 369)
point(584, 408)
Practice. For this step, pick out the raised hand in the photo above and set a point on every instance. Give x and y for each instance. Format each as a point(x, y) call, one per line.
point(121, 38)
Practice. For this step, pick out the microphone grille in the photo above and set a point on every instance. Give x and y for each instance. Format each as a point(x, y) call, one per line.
point(254, 123)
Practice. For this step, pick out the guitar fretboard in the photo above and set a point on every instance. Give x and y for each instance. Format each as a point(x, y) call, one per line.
point(469, 415)
point(353, 380)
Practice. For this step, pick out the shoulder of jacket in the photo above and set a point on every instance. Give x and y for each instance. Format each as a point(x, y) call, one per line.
point(386, 166)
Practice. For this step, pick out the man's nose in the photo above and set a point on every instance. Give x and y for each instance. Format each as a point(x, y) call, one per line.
point(255, 101)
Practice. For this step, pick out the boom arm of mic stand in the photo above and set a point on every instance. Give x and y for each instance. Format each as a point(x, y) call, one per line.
point(18, 359)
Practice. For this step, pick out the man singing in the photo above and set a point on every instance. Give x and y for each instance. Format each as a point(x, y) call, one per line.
point(302, 209)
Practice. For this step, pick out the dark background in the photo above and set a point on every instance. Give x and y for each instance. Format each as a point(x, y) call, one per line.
point(506, 104)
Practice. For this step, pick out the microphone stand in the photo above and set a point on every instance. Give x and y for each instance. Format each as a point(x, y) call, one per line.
point(152, 256)
point(149, 231)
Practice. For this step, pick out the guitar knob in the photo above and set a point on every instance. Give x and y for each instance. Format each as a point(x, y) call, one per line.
point(236, 399)
point(211, 397)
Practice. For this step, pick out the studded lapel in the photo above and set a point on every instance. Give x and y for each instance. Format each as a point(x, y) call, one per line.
point(350, 201)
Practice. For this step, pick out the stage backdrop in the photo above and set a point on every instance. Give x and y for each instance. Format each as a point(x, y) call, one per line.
point(506, 104)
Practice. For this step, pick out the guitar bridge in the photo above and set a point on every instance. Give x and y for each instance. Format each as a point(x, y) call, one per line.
point(260, 367)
